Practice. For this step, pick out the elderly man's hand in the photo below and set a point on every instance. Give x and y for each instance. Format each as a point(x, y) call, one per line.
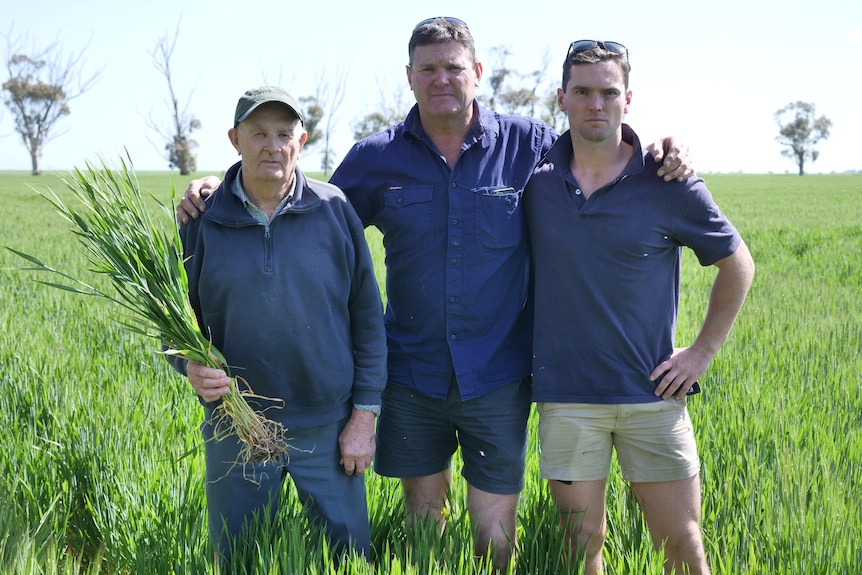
point(192, 204)
point(676, 162)
point(210, 383)
point(357, 443)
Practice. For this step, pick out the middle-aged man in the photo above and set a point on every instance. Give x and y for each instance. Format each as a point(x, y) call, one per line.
point(281, 279)
point(606, 236)
point(444, 187)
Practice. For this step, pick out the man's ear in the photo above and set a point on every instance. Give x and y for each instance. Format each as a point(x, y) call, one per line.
point(409, 71)
point(233, 136)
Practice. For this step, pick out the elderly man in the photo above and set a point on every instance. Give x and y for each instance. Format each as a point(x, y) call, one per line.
point(281, 278)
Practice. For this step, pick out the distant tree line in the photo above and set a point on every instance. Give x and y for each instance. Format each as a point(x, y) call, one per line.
point(532, 93)
point(42, 81)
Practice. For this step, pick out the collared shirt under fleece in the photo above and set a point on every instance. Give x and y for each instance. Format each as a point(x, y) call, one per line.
point(457, 256)
point(607, 274)
point(292, 303)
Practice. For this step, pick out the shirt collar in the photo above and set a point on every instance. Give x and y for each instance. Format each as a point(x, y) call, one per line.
point(560, 153)
point(255, 211)
point(485, 123)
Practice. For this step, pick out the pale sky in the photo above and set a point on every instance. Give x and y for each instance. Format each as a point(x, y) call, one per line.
point(712, 74)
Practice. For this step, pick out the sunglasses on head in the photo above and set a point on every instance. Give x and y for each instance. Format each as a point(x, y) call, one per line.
point(584, 45)
point(455, 21)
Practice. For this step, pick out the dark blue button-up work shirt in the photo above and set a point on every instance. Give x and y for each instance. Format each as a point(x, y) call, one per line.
point(457, 267)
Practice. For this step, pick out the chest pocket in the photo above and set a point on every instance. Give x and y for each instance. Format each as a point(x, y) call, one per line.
point(411, 207)
point(499, 218)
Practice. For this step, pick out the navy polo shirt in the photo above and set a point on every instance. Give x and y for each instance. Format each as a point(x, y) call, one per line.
point(457, 269)
point(607, 273)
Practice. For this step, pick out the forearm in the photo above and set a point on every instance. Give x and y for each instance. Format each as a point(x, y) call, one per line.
point(178, 363)
point(729, 291)
point(368, 332)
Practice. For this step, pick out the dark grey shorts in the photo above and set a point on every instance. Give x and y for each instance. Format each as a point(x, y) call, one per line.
point(417, 435)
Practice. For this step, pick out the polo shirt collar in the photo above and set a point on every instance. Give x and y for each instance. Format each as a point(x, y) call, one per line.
point(561, 152)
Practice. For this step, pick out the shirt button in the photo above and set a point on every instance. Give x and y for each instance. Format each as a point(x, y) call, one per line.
point(452, 336)
point(400, 200)
point(454, 222)
point(578, 192)
point(453, 261)
point(452, 300)
point(452, 185)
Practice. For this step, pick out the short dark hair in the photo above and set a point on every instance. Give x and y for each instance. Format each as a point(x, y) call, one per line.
point(441, 30)
point(594, 56)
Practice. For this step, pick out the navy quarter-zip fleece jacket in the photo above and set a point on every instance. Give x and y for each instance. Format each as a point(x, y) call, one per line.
point(293, 305)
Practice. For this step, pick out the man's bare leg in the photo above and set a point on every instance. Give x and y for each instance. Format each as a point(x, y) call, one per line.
point(581, 505)
point(493, 519)
point(672, 512)
point(425, 497)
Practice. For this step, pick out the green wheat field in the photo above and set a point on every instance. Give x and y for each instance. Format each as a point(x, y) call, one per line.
point(100, 470)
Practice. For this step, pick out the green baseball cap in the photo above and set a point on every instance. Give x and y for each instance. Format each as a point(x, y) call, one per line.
point(250, 101)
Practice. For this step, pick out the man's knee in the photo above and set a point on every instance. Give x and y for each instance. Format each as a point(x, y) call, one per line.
point(425, 497)
point(685, 545)
point(493, 516)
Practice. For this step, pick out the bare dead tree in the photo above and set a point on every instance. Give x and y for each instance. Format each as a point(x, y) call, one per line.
point(179, 145)
point(40, 86)
point(321, 111)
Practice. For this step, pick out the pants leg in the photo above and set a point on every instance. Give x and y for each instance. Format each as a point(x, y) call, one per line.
point(235, 492)
point(331, 498)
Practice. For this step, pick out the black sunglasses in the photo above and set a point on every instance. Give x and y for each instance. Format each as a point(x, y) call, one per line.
point(584, 45)
point(455, 21)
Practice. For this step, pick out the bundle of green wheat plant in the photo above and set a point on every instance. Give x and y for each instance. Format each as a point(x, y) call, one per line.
point(145, 268)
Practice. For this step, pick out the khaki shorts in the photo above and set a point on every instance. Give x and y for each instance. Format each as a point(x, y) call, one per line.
point(654, 441)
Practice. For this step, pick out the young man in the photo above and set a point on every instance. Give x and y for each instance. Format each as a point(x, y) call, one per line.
point(444, 186)
point(606, 235)
point(281, 278)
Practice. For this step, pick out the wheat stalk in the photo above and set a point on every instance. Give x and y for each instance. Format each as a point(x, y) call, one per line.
point(145, 268)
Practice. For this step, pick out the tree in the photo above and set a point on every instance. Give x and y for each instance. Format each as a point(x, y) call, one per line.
point(498, 73)
point(391, 110)
point(371, 124)
point(179, 144)
point(320, 111)
point(312, 112)
point(40, 86)
point(327, 163)
point(552, 115)
point(799, 131)
point(515, 92)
